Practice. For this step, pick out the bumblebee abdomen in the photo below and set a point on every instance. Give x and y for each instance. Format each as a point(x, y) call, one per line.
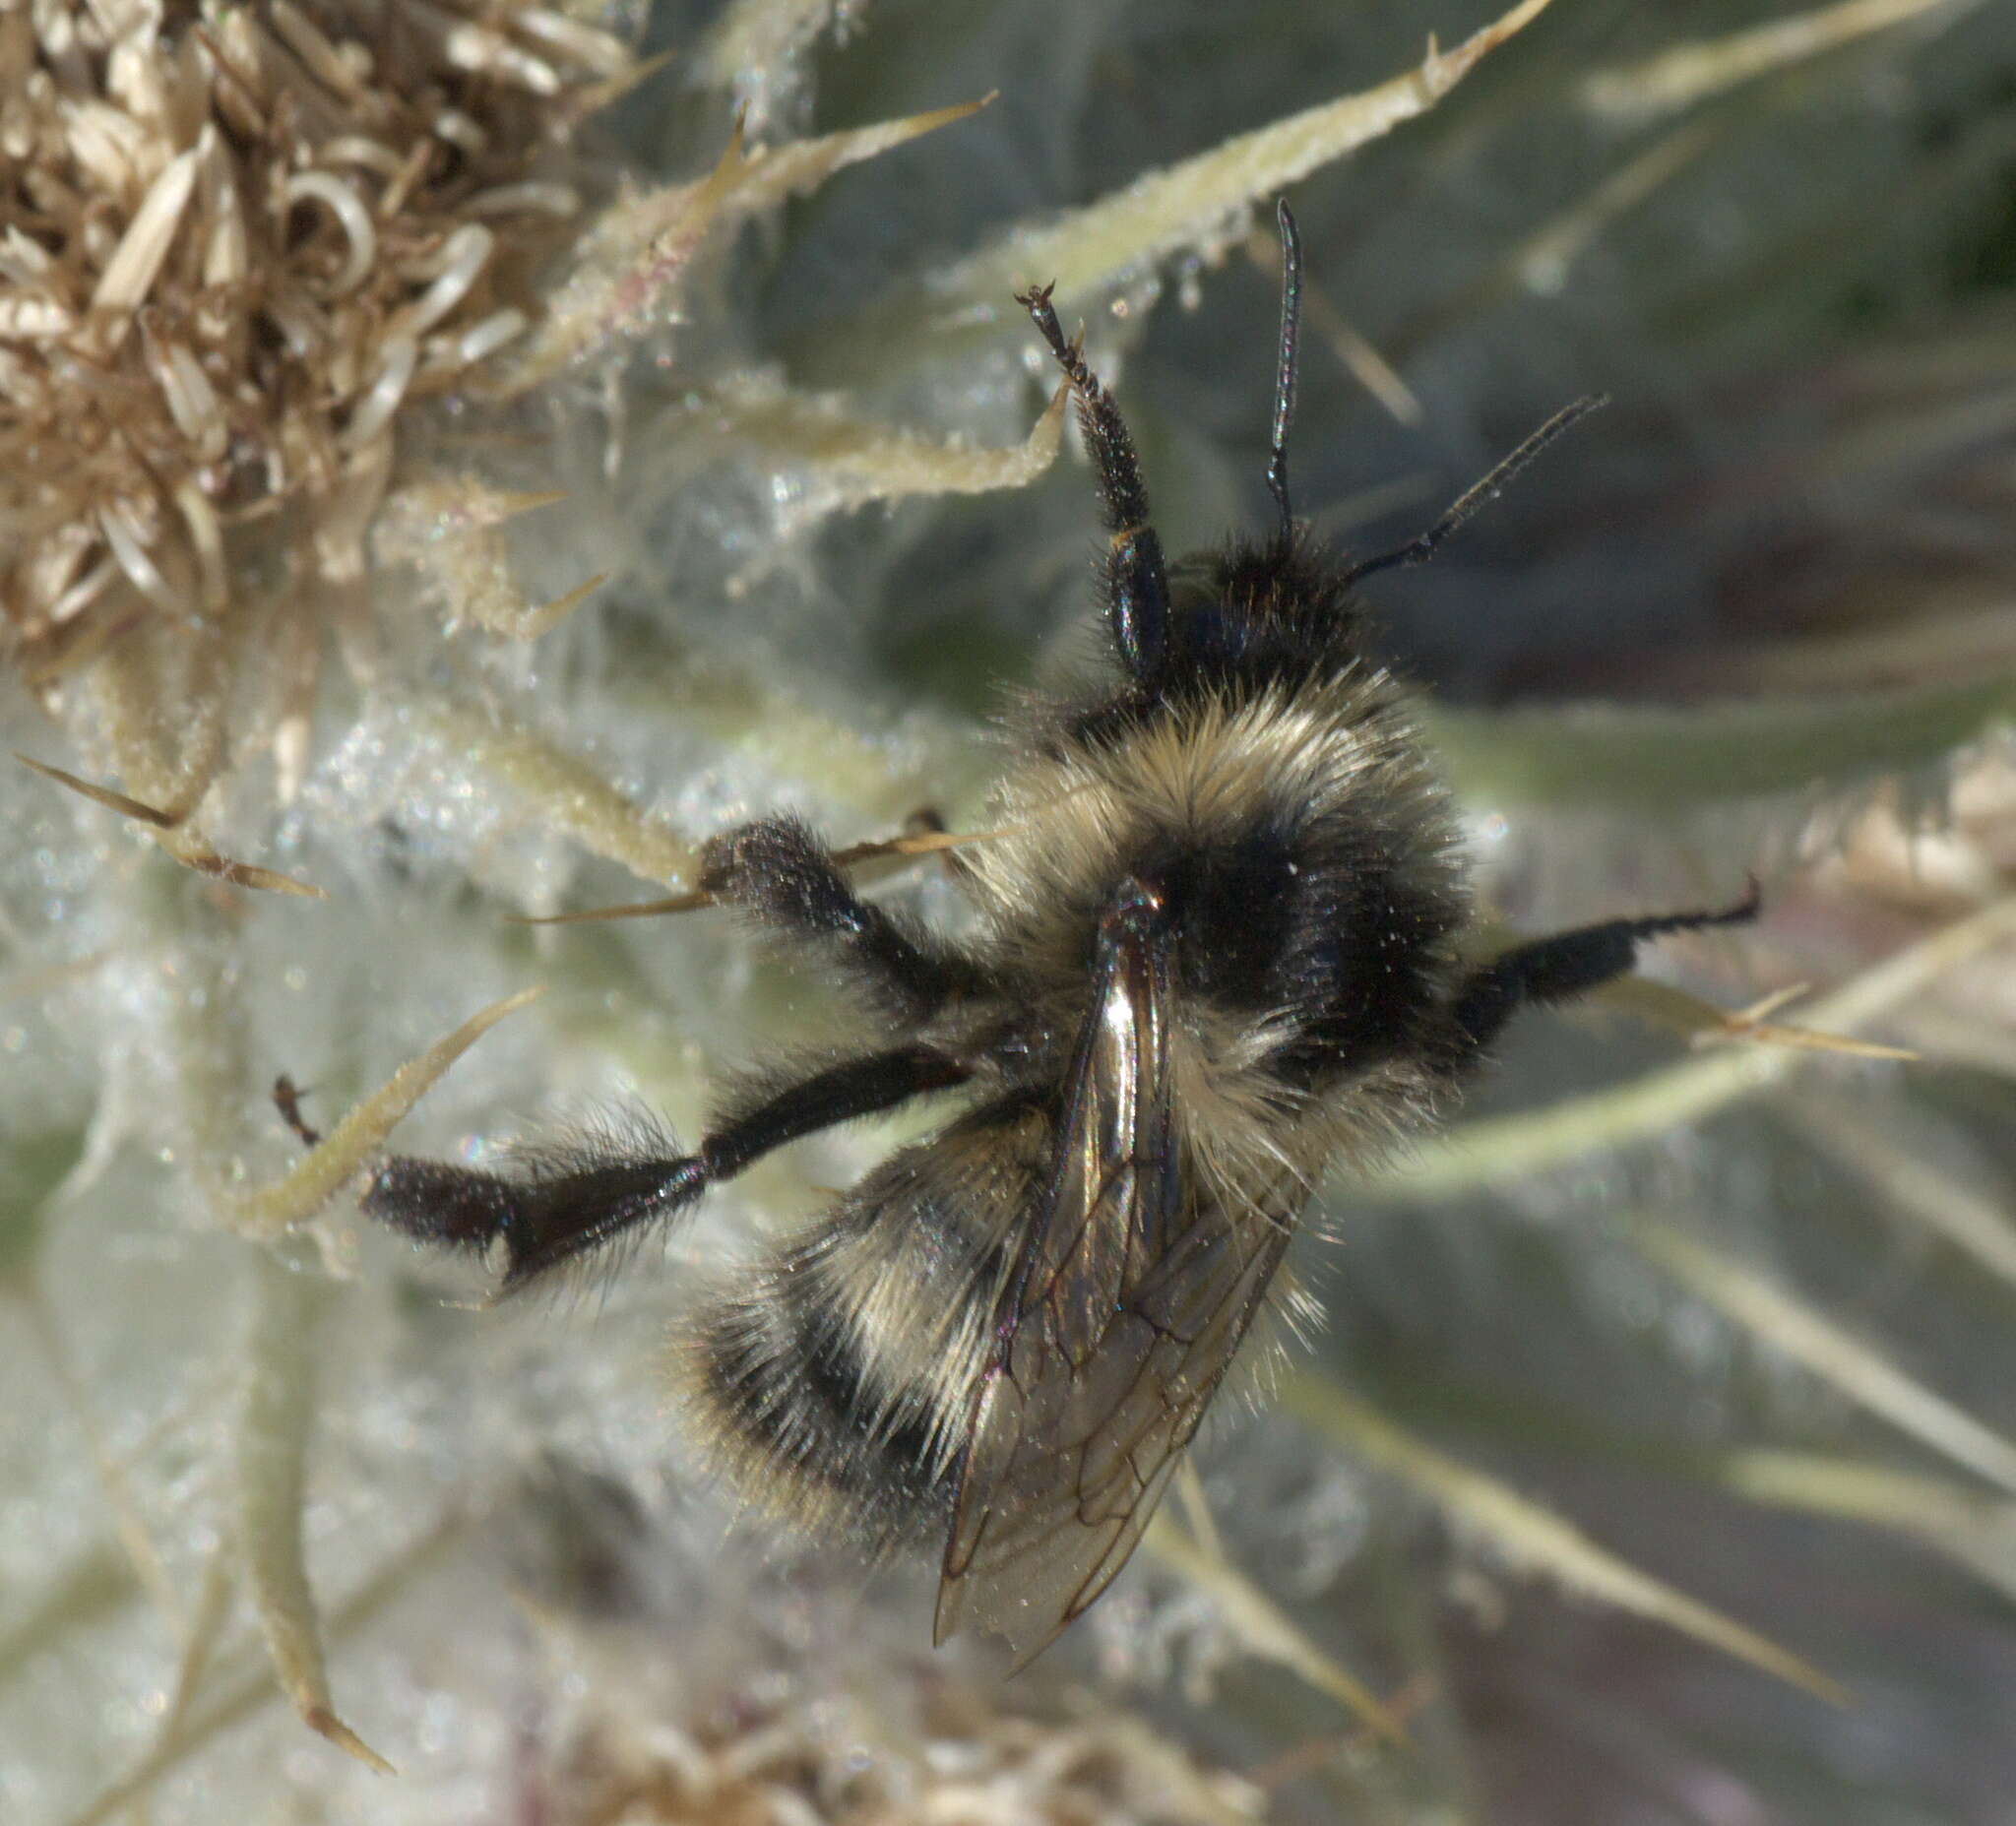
point(833, 1386)
point(789, 1407)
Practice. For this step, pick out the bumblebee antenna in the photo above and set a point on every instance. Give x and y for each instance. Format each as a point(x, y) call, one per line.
point(1285, 363)
point(1420, 550)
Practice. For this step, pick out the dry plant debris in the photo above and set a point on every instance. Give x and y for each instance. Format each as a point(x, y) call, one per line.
point(857, 1760)
point(238, 240)
point(239, 243)
point(244, 249)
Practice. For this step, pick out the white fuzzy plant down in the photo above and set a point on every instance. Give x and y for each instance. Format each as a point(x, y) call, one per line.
point(526, 1601)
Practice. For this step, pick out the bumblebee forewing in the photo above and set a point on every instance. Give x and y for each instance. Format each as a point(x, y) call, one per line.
point(1110, 1165)
point(1065, 1473)
point(1134, 1293)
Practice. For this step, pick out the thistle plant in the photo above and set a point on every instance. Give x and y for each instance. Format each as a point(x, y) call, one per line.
point(457, 456)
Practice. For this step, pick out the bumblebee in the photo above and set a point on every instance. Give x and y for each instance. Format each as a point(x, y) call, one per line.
point(1217, 946)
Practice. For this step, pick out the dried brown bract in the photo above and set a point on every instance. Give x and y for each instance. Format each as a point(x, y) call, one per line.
point(237, 238)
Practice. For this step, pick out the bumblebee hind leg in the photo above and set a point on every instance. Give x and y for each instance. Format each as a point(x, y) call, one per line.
point(565, 1202)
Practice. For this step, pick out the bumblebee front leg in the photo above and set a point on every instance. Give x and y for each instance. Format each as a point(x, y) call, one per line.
point(1137, 590)
point(777, 872)
point(1569, 964)
point(562, 1207)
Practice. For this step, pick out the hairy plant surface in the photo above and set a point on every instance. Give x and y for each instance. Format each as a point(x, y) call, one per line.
point(455, 458)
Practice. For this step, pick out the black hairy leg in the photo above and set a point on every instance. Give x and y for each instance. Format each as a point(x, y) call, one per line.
point(1570, 964)
point(564, 1203)
point(1137, 589)
point(778, 872)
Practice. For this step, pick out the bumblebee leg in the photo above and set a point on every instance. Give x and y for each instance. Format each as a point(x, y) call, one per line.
point(781, 874)
point(527, 1225)
point(1137, 590)
point(1570, 964)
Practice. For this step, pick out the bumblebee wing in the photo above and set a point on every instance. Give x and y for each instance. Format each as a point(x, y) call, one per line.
point(1128, 1304)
